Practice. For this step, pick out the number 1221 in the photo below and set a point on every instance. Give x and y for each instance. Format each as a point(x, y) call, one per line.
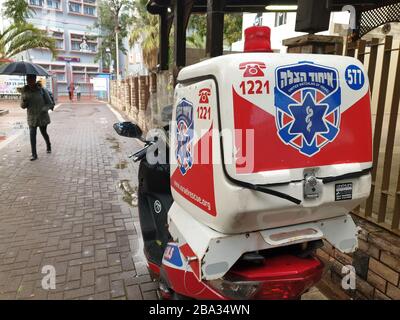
point(254, 87)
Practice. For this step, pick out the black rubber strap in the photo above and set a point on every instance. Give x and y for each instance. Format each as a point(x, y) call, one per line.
point(282, 195)
point(271, 192)
point(350, 175)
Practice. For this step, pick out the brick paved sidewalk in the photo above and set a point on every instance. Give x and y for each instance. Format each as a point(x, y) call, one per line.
point(66, 210)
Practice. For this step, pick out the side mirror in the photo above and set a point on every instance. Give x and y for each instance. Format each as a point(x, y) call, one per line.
point(128, 129)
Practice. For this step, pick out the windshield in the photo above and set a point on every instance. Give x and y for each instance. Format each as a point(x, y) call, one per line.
point(159, 106)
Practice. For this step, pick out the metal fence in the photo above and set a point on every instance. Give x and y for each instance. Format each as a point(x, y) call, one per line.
point(381, 60)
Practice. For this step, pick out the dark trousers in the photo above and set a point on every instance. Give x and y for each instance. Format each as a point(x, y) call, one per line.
point(32, 133)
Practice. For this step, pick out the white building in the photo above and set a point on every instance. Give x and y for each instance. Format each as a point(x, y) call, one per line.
point(133, 60)
point(70, 23)
point(282, 26)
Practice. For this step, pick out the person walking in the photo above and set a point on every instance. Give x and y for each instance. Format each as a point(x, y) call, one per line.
point(71, 91)
point(78, 92)
point(36, 100)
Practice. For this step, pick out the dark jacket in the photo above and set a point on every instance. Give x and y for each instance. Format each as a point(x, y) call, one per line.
point(34, 102)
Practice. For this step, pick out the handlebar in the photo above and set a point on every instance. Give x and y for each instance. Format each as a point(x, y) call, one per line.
point(139, 155)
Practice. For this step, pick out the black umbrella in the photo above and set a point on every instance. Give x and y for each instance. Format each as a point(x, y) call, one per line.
point(22, 68)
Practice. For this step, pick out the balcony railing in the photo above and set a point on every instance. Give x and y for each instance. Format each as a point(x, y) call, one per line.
point(37, 3)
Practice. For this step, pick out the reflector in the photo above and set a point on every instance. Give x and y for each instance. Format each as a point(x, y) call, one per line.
point(280, 277)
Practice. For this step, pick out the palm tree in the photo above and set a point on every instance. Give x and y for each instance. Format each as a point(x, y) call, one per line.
point(21, 37)
point(196, 40)
point(17, 10)
point(145, 30)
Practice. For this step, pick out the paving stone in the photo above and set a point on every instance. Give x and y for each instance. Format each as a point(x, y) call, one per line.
point(138, 280)
point(102, 284)
point(40, 294)
point(26, 289)
point(94, 266)
point(55, 296)
point(148, 286)
point(123, 275)
point(117, 289)
point(102, 296)
point(101, 255)
point(114, 259)
point(134, 293)
point(72, 285)
point(78, 293)
point(65, 210)
point(109, 270)
point(74, 273)
point(87, 278)
point(150, 295)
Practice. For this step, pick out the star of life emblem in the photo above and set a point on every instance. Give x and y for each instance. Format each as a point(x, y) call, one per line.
point(307, 105)
point(184, 135)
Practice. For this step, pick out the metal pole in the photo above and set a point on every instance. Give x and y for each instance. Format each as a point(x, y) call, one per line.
point(117, 53)
point(215, 28)
point(108, 90)
point(110, 66)
point(180, 35)
point(163, 41)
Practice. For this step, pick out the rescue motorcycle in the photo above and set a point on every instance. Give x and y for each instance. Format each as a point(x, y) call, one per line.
point(287, 144)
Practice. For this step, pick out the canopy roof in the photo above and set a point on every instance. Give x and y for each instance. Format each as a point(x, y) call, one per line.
point(369, 15)
point(200, 6)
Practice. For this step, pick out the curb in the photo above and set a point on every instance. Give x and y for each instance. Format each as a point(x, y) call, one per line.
point(3, 112)
point(57, 106)
point(120, 116)
point(10, 139)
